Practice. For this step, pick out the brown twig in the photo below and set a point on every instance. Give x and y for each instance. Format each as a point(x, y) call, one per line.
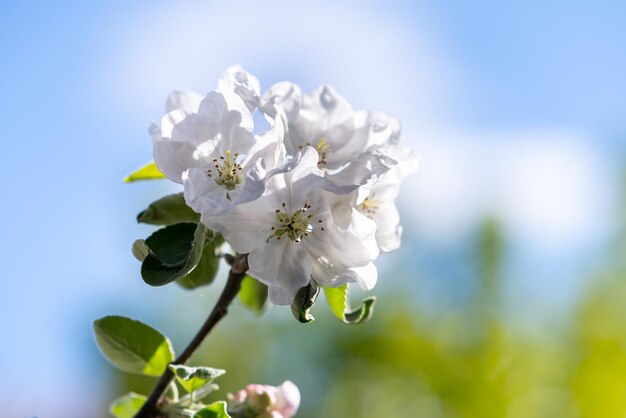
point(150, 408)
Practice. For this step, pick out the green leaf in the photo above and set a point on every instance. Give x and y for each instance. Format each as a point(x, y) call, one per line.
point(206, 270)
point(147, 172)
point(253, 295)
point(199, 393)
point(192, 378)
point(174, 252)
point(133, 346)
point(337, 298)
point(304, 301)
point(215, 410)
point(168, 210)
point(127, 406)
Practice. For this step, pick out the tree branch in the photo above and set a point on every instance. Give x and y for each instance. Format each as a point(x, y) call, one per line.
point(150, 408)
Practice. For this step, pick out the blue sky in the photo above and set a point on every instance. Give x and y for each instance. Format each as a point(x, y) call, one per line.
point(517, 109)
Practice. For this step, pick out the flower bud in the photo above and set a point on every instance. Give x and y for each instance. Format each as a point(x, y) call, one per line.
point(287, 399)
point(264, 401)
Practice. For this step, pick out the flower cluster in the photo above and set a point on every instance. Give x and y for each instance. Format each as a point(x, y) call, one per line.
point(310, 198)
point(264, 401)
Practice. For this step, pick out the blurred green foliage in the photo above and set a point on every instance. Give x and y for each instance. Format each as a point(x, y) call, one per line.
point(405, 363)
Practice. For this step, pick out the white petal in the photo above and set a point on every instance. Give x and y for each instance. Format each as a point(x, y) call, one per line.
point(407, 158)
point(242, 83)
point(388, 231)
point(331, 107)
point(174, 157)
point(386, 215)
point(333, 252)
point(367, 167)
point(384, 128)
point(225, 115)
point(171, 126)
point(283, 266)
point(365, 276)
point(366, 229)
point(285, 95)
point(320, 116)
point(293, 181)
point(246, 226)
point(356, 134)
point(341, 207)
point(273, 142)
point(203, 194)
point(185, 100)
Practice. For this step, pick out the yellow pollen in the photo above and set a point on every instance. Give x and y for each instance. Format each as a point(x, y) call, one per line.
point(369, 206)
point(322, 149)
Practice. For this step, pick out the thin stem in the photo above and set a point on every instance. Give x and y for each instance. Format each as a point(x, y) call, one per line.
point(150, 408)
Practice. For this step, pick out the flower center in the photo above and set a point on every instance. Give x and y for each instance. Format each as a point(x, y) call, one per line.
point(227, 172)
point(295, 226)
point(369, 206)
point(323, 148)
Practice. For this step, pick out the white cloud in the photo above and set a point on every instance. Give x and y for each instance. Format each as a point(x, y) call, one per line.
point(551, 190)
point(373, 58)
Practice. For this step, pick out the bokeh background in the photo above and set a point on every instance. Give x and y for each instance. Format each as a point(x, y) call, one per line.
point(508, 296)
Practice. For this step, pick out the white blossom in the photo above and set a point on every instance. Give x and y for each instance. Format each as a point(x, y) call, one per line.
point(290, 235)
point(231, 179)
point(312, 198)
point(222, 124)
point(377, 200)
point(343, 138)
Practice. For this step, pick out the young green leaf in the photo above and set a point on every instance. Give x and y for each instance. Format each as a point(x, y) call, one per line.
point(304, 301)
point(147, 172)
point(174, 252)
point(168, 210)
point(127, 406)
point(215, 410)
point(199, 394)
point(337, 298)
point(253, 295)
point(205, 271)
point(192, 378)
point(133, 346)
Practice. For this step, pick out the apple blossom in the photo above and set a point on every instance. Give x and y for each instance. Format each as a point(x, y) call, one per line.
point(343, 138)
point(194, 139)
point(231, 179)
point(290, 236)
point(377, 200)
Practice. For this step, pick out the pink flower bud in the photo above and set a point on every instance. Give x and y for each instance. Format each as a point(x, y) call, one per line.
point(287, 399)
point(260, 397)
point(264, 401)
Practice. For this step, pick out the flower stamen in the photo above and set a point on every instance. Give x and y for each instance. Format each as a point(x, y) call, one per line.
point(322, 148)
point(369, 206)
point(294, 226)
point(227, 172)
